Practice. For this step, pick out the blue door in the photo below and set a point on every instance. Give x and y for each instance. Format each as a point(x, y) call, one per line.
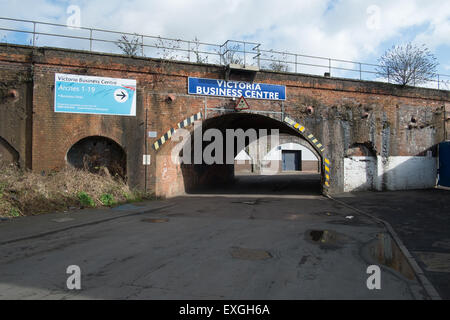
point(291, 160)
point(444, 164)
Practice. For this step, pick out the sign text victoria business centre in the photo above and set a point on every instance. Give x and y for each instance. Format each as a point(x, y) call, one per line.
point(249, 90)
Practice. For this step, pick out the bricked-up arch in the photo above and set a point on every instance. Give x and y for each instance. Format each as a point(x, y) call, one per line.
point(7, 152)
point(194, 175)
point(95, 153)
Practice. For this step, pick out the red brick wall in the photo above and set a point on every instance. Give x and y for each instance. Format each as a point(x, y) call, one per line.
point(338, 120)
point(15, 108)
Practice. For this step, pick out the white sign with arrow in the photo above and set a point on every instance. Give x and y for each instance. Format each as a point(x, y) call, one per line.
point(94, 95)
point(121, 95)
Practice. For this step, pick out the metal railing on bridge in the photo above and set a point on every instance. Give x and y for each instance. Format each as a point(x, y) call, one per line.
point(39, 34)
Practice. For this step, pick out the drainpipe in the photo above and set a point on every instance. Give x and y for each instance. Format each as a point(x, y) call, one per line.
point(146, 148)
point(28, 161)
point(445, 124)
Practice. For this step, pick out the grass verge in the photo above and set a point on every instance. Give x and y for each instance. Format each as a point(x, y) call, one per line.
point(24, 193)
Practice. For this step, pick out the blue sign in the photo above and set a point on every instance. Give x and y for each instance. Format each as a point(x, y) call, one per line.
point(444, 164)
point(248, 90)
point(94, 95)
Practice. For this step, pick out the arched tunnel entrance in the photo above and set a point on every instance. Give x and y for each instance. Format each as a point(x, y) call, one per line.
point(219, 157)
point(95, 153)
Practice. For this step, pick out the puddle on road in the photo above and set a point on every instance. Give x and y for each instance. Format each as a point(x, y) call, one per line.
point(317, 235)
point(327, 239)
point(155, 220)
point(249, 254)
point(385, 251)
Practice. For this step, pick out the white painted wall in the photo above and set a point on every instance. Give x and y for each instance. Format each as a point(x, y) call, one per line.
point(359, 173)
point(275, 153)
point(394, 173)
point(403, 173)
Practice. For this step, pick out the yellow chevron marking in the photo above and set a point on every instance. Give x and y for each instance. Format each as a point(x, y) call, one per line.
point(302, 128)
point(319, 145)
point(327, 169)
point(169, 134)
point(156, 145)
point(314, 141)
point(310, 136)
point(163, 140)
point(326, 183)
point(296, 125)
point(327, 161)
point(327, 176)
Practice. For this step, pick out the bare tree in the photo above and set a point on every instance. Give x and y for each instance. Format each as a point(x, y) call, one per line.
point(168, 48)
point(408, 64)
point(129, 46)
point(275, 61)
point(278, 62)
point(231, 55)
point(278, 66)
point(197, 52)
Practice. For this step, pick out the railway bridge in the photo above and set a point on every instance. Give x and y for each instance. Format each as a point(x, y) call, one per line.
point(364, 135)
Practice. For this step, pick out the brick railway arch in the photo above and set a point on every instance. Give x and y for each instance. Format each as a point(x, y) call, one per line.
point(94, 153)
point(174, 179)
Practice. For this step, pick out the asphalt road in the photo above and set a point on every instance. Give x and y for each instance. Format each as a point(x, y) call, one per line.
point(203, 246)
point(421, 219)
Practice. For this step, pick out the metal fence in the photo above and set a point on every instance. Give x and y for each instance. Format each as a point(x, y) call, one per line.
point(39, 34)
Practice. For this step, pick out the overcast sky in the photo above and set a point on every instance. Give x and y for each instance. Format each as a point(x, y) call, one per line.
point(345, 29)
